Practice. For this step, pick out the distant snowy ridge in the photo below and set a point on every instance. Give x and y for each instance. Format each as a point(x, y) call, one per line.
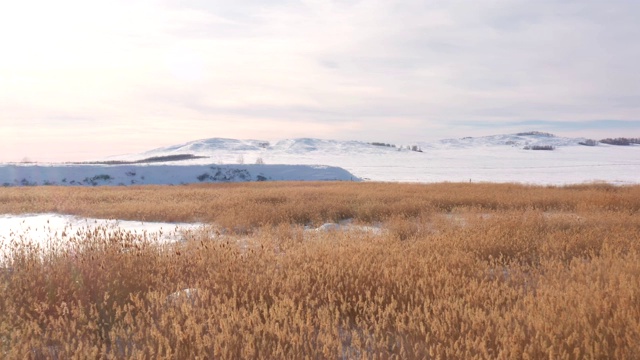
point(222, 150)
point(200, 146)
point(92, 175)
point(227, 150)
point(519, 140)
point(496, 158)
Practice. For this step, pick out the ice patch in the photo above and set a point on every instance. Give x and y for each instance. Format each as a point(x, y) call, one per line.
point(55, 231)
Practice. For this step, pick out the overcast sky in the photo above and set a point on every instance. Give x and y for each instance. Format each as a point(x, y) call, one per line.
point(83, 79)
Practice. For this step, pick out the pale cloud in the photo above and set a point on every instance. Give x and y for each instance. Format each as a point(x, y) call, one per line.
point(149, 73)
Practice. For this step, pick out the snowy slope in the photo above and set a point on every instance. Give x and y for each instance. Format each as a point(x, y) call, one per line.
point(497, 158)
point(56, 174)
point(227, 151)
point(207, 145)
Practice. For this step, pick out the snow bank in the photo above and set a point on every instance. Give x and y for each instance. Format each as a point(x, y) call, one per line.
point(91, 175)
point(345, 225)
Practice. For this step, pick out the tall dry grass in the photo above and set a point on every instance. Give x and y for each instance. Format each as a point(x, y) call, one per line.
point(271, 203)
point(457, 271)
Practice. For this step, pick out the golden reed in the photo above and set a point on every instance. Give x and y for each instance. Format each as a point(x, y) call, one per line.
point(453, 271)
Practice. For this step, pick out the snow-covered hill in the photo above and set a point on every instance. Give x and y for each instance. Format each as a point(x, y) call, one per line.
point(497, 158)
point(207, 145)
point(92, 175)
point(520, 141)
point(228, 150)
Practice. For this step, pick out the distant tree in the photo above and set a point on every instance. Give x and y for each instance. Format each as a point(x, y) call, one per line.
point(588, 142)
point(535, 133)
point(540, 147)
point(620, 141)
point(382, 144)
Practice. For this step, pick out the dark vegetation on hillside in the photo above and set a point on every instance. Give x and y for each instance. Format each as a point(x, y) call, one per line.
point(621, 141)
point(539, 147)
point(415, 148)
point(589, 142)
point(382, 144)
point(154, 159)
point(535, 133)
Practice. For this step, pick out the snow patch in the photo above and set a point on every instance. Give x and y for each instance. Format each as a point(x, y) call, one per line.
point(189, 295)
point(346, 225)
point(51, 231)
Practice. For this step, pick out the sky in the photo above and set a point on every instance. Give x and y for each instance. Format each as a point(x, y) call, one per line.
point(81, 80)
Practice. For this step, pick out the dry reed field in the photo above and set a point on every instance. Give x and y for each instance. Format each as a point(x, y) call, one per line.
point(438, 271)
